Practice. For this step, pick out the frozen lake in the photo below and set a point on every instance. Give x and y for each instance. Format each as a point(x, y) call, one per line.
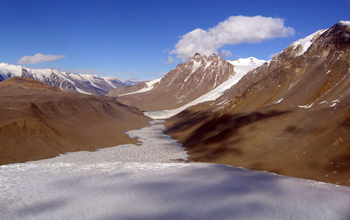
point(145, 182)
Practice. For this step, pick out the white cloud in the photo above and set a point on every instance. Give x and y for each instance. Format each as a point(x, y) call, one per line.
point(39, 58)
point(171, 60)
point(234, 30)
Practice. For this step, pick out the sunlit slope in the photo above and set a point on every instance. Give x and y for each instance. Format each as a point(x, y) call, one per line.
point(40, 121)
point(290, 116)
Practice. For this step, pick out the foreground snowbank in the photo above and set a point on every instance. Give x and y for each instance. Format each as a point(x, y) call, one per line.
point(142, 182)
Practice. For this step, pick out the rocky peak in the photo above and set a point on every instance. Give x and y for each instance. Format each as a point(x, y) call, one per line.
point(187, 82)
point(337, 36)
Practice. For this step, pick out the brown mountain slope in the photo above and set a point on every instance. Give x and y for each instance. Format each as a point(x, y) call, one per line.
point(185, 83)
point(40, 121)
point(293, 119)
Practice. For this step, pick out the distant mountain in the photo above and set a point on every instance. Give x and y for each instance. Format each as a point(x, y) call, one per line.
point(82, 83)
point(132, 82)
point(41, 121)
point(182, 85)
point(290, 115)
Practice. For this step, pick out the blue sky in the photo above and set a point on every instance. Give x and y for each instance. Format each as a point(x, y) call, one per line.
point(145, 39)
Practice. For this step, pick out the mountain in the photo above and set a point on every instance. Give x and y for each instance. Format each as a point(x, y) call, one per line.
point(290, 115)
point(130, 82)
point(41, 121)
point(182, 85)
point(82, 83)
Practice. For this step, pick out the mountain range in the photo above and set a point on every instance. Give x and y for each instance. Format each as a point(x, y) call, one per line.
point(289, 115)
point(82, 83)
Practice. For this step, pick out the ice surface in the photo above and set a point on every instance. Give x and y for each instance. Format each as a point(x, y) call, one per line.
point(156, 147)
point(132, 182)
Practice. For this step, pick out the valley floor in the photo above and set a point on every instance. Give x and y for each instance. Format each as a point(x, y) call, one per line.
point(148, 182)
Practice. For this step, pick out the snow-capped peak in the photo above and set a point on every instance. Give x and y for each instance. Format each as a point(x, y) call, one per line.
point(83, 83)
point(345, 23)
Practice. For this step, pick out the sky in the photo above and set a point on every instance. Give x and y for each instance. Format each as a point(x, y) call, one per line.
point(138, 39)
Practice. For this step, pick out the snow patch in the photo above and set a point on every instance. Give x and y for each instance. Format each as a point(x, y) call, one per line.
point(149, 86)
point(278, 101)
point(306, 106)
point(196, 65)
point(82, 91)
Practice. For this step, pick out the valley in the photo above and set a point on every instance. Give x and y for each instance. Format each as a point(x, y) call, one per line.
point(212, 138)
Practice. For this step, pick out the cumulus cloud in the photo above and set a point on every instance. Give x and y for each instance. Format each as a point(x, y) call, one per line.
point(39, 58)
point(234, 30)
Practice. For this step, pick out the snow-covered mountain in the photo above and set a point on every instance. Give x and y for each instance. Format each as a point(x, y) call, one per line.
point(202, 78)
point(82, 83)
point(289, 116)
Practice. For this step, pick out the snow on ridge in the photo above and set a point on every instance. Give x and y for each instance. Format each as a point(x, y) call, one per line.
point(306, 42)
point(13, 70)
point(43, 74)
point(196, 65)
point(109, 82)
point(240, 71)
point(345, 23)
point(39, 73)
point(247, 61)
point(108, 79)
point(90, 78)
point(149, 86)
